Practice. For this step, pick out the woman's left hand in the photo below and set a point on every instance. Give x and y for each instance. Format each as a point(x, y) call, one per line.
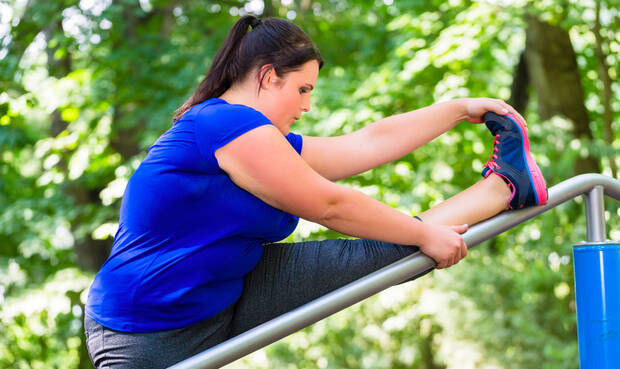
point(474, 108)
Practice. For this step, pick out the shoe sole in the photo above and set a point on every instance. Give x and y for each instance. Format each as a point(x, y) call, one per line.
point(536, 177)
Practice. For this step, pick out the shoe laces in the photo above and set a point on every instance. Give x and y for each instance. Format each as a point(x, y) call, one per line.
point(491, 164)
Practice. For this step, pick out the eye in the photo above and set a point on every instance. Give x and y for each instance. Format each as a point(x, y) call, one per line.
point(303, 90)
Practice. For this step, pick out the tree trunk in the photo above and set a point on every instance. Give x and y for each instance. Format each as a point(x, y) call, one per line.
point(269, 10)
point(606, 93)
point(519, 96)
point(554, 74)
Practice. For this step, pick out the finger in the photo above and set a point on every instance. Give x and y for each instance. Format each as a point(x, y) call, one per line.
point(460, 228)
point(521, 117)
point(497, 108)
point(505, 108)
point(453, 258)
point(474, 118)
point(516, 114)
point(464, 250)
point(457, 256)
point(513, 111)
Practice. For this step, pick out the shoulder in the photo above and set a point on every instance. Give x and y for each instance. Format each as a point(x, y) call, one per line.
point(218, 122)
point(219, 110)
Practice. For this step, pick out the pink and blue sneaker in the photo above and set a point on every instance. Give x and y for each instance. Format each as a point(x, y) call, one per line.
point(511, 160)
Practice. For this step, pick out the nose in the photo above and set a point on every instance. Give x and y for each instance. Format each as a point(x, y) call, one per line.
point(305, 107)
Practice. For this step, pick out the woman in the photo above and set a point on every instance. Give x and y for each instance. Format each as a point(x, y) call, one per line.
point(193, 262)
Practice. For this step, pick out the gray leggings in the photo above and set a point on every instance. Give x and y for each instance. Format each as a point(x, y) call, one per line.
point(287, 276)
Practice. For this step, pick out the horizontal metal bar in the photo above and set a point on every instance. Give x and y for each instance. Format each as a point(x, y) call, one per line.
point(414, 266)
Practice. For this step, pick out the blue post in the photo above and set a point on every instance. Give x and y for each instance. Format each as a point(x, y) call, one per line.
point(597, 290)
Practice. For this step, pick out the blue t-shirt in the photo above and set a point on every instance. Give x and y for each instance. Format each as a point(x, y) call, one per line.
point(187, 234)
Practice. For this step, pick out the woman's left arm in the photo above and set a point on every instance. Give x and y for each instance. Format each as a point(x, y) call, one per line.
point(393, 137)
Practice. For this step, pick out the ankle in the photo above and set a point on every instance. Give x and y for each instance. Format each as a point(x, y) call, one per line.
point(499, 186)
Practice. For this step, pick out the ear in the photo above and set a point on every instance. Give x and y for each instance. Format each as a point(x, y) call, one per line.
point(269, 76)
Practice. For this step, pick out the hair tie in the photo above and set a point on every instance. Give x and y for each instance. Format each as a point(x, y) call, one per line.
point(255, 23)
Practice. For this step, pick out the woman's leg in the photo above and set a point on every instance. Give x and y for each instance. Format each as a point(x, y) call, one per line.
point(481, 201)
point(293, 274)
point(112, 349)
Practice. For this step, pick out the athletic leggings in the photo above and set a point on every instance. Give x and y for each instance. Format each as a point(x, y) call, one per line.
point(287, 276)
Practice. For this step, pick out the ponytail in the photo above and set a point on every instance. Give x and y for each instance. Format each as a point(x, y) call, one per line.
point(273, 41)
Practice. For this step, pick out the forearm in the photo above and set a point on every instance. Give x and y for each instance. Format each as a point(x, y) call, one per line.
point(400, 134)
point(359, 215)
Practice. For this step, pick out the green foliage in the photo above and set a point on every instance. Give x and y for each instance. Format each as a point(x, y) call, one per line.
point(385, 331)
point(88, 86)
point(41, 326)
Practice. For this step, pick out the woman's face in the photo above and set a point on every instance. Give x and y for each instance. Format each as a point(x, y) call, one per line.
point(285, 99)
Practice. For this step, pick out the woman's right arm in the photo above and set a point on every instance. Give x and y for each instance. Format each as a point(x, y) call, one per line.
point(263, 163)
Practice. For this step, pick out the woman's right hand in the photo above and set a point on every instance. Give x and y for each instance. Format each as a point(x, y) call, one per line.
point(445, 244)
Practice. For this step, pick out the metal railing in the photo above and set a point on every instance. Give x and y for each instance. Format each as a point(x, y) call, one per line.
point(593, 186)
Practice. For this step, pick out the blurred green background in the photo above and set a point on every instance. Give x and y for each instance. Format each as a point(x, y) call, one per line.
point(86, 86)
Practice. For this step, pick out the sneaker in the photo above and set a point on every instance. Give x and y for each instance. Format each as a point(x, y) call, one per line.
point(511, 160)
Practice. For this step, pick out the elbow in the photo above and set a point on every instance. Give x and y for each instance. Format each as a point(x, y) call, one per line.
point(317, 200)
point(331, 206)
point(328, 213)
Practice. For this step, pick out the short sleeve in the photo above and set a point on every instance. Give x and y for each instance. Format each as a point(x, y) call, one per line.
point(296, 141)
point(215, 126)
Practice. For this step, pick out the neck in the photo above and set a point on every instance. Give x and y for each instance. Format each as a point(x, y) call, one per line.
point(247, 94)
point(244, 95)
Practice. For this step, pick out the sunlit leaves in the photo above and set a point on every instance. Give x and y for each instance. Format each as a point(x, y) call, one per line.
point(509, 305)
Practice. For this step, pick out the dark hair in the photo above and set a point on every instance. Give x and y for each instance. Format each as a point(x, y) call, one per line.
point(274, 41)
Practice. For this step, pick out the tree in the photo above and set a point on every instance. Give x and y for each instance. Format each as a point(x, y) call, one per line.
point(87, 87)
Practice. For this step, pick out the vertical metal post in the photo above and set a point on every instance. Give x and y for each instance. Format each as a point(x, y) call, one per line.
point(595, 214)
point(597, 290)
